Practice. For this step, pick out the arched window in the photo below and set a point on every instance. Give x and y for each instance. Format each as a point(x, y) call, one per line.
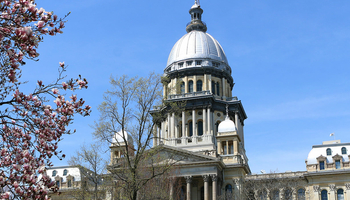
point(329, 152)
point(288, 194)
point(324, 195)
point(183, 193)
point(262, 195)
point(228, 191)
point(54, 172)
point(190, 126)
point(301, 194)
point(190, 86)
point(275, 195)
point(199, 86)
point(343, 150)
point(182, 87)
point(200, 128)
point(218, 88)
point(213, 87)
point(340, 194)
point(65, 172)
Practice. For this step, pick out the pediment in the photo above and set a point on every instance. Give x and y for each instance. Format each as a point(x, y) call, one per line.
point(182, 156)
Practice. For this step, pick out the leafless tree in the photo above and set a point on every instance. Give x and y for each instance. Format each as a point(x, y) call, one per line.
point(125, 121)
point(92, 167)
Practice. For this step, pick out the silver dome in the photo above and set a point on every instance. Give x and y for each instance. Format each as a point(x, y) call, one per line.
point(194, 45)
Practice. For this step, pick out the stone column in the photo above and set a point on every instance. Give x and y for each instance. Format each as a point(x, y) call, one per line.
point(223, 87)
point(347, 191)
point(316, 191)
point(194, 122)
point(172, 125)
point(204, 122)
point(219, 146)
point(205, 88)
point(227, 149)
point(188, 187)
point(209, 121)
point(332, 192)
point(235, 146)
point(183, 124)
point(209, 83)
point(186, 84)
point(171, 195)
point(164, 91)
point(214, 179)
point(175, 86)
point(206, 186)
point(158, 135)
point(194, 83)
point(169, 129)
point(163, 129)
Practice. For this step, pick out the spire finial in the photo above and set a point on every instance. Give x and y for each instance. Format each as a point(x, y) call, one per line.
point(196, 18)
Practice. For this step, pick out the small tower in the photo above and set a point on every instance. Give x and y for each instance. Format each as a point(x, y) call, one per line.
point(229, 142)
point(119, 145)
point(196, 19)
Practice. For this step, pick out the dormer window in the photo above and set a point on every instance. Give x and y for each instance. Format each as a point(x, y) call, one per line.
point(329, 152)
point(189, 63)
point(337, 164)
point(65, 172)
point(343, 150)
point(198, 62)
point(54, 172)
point(321, 165)
point(181, 64)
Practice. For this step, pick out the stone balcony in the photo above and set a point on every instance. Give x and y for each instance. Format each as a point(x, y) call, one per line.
point(184, 141)
point(201, 94)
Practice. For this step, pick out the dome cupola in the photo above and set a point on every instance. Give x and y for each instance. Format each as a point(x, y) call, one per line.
point(196, 19)
point(227, 125)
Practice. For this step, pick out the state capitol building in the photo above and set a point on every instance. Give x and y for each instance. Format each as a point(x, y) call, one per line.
point(209, 132)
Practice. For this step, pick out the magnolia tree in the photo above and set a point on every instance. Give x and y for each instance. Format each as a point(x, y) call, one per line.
point(30, 127)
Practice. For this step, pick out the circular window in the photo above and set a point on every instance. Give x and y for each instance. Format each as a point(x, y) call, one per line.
point(200, 113)
point(219, 115)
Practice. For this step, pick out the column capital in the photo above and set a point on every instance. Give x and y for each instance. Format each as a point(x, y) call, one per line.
point(206, 178)
point(188, 179)
point(332, 187)
point(347, 185)
point(236, 181)
point(316, 188)
point(214, 177)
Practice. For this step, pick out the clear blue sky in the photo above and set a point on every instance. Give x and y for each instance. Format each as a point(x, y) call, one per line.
point(290, 63)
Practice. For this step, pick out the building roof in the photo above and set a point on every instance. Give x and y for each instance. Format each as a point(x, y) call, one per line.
point(336, 148)
point(196, 45)
point(71, 170)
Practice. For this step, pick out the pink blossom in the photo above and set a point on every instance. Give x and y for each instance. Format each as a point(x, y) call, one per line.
point(40, 24)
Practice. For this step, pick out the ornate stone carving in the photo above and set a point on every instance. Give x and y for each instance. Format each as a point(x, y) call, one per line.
point(206, 178)
point(316, 188)
point(214, 177)
point(236, 181)
point(347, 185)
point(332, 187)
point(188, 179)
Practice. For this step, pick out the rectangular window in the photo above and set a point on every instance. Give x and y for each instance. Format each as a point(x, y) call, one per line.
point(225, 149)
point(230, 148)
point(58, 183)
point(337, 164)
point(69, 183)
point(321, 165)
point(181, 64)
point(188, 63)
point(198, 62)
point(215, 64)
